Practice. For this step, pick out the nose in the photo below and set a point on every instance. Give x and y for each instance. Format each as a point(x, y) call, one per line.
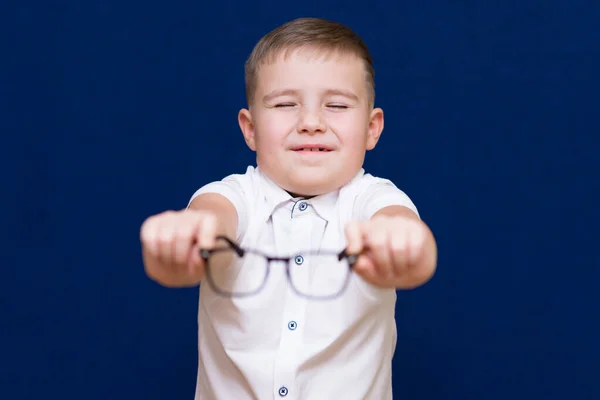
point(311, 122)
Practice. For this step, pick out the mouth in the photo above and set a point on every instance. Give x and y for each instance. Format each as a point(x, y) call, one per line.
point(312, 149)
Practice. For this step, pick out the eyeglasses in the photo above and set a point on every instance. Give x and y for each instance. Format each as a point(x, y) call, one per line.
point(232, 271)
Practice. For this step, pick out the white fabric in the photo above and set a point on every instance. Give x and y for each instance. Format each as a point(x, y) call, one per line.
point(340, 349)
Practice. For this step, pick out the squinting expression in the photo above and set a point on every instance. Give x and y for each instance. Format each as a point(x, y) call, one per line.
point(311, 121)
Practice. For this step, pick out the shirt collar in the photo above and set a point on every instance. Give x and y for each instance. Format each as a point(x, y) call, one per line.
point(324, 205)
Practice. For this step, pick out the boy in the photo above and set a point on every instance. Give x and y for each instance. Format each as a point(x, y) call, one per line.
point(310, 120)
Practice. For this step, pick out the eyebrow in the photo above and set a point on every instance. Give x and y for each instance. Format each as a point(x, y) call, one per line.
point(344, 93)
point(277, 93)
point(329, 92)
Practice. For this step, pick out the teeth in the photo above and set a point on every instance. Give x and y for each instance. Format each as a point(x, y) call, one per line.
point(312, 149)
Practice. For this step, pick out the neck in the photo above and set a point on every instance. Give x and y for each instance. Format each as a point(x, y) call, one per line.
point(299, 195)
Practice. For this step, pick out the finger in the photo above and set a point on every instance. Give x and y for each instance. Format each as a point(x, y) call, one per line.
point(149, 236)
point(206, 231)
point(364, 265)
point(164, 243)
point(399, 251)
point(354, 242)
point(204, 236)
point(365, 268)
point(183, 239)
point(415, 244)
point(377, 242)
point(195, 261)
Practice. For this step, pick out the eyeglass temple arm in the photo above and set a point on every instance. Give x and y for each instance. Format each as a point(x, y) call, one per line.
point(232, 244)
point(352, 258)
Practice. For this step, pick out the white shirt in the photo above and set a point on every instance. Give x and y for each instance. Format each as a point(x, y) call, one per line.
point(276, 344)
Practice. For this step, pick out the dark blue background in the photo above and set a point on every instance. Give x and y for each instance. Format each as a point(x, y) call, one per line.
point(112, 111)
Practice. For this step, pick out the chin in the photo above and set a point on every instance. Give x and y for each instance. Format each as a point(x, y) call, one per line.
point(307, 182)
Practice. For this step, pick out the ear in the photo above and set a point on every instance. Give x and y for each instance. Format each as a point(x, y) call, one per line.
point(245, 121)
point(375, 128)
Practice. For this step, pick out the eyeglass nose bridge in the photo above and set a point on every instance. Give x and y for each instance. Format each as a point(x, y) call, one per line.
point(279, 259)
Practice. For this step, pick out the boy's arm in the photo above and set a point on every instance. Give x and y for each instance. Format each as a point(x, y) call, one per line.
point(224, 211)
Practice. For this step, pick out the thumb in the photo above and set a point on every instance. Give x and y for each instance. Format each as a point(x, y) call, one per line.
point(354, 237)
point(207, 230)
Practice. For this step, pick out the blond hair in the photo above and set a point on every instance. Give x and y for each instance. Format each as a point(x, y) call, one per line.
point(315, 33)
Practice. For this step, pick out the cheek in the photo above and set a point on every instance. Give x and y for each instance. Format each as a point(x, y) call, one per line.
point(271, 132)
point(352, 130)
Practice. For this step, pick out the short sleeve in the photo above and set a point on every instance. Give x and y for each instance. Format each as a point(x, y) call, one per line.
point(232, 188)
point(377, 193)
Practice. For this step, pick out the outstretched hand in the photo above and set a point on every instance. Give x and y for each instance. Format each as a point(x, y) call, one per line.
point(393, 251)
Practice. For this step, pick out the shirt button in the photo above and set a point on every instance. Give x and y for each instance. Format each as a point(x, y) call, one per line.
point(302, 206)
point(299, 260)
point(292, 325)
point(283, 391)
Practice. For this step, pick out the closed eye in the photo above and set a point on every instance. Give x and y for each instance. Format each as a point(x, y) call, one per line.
point(337, 106)
point(284, 105)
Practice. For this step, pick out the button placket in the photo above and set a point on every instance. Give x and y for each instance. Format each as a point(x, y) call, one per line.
point(301, 230)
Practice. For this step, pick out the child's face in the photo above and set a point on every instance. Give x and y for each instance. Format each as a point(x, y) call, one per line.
point(305, 102)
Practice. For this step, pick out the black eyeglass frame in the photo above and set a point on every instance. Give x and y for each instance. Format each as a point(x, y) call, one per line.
point(231, 245)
